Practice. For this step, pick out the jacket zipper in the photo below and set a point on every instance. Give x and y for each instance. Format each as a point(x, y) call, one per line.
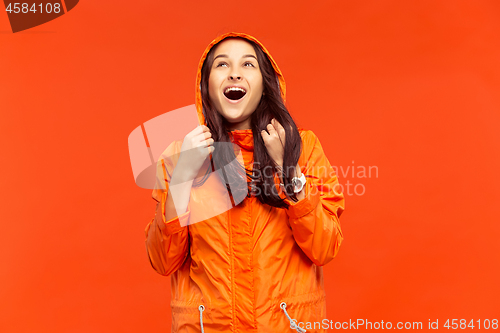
point(231, 256)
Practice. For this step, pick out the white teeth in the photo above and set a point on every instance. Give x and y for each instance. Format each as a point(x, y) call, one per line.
point(234, 89)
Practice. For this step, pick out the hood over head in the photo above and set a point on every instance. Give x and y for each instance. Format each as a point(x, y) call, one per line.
point(198, 103)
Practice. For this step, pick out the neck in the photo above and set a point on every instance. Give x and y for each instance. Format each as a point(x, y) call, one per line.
point(243, 125)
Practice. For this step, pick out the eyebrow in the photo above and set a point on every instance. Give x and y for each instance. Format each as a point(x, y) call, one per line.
point(225, 56)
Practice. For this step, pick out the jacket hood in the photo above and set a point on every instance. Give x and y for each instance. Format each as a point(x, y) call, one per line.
point(198, 102)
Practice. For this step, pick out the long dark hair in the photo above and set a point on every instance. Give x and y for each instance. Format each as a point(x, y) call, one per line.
point(271, 105)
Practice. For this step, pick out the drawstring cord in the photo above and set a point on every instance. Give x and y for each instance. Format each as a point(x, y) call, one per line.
point(292, 324)
point(201, 308)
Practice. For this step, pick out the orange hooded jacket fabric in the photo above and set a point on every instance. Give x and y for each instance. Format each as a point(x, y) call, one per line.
point(254, 267)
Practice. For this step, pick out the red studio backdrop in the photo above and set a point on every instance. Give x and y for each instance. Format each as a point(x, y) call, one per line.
point(404, 96)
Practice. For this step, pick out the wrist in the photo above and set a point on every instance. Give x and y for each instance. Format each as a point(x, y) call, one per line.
point(298, 173)
point(182, 175)
point(298, 181)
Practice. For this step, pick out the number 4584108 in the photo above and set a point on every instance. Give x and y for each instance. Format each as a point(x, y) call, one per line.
point(479, 324)
point(24, 8)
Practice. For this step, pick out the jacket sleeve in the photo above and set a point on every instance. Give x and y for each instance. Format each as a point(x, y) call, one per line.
point(167, 242)
point(315, 219)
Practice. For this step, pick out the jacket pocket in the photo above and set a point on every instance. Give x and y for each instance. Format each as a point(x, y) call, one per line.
point(199, 316)
point(186, 316)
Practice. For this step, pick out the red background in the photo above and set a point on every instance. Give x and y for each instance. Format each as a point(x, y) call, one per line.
point(409, 87)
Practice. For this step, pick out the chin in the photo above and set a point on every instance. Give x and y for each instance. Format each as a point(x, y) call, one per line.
point(234, 117)
point(233, 121)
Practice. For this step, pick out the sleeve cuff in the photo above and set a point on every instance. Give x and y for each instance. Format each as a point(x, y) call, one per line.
point(175, 224)
point(304, 206)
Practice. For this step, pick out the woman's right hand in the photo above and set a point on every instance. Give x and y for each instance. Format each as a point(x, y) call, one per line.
point(196, 147)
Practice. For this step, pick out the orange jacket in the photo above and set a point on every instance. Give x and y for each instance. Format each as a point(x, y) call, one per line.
point(252, 268)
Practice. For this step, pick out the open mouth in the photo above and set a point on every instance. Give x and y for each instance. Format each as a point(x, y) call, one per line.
point(234, 93)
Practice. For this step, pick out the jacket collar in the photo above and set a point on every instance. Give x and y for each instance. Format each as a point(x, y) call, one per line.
point(243, 138)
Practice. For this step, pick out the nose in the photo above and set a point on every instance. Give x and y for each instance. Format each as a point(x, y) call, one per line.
point(235, 75)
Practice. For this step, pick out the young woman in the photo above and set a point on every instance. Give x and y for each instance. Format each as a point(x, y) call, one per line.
point(249, 261)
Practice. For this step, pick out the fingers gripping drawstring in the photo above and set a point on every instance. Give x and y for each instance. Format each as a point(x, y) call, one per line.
point(201, 308)
point(292, 324)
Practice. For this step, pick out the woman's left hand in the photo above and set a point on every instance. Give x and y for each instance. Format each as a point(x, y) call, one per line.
point(275, 141)
point(275, 144)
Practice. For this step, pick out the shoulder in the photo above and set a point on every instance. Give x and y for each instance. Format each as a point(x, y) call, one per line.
point(171, 153)
point(309, 139)
point(307, 135)
point(309, 142)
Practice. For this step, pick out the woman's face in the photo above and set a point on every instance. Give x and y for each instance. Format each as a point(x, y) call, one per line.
point(235, 65)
